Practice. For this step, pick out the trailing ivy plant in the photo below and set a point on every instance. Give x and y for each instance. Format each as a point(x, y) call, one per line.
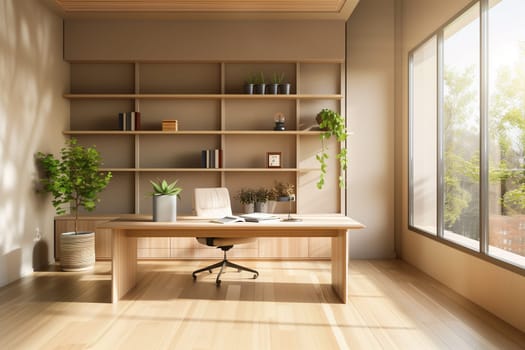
point(74, 178)
point(332, 124)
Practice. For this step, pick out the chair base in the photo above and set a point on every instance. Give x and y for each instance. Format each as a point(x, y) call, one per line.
point(222, 264)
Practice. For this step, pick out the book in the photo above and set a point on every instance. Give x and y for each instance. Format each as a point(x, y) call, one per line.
point(132, 121)
point(121, 120)
point(204, 159)
point(137, 120)
point(228, 219)
point(260, 217)
point(211, 158)
point(218, 158)
point(127, 123)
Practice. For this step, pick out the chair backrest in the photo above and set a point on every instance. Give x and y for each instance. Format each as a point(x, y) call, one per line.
point(212, 202)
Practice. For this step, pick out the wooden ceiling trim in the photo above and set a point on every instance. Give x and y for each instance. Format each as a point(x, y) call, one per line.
point(293, 6)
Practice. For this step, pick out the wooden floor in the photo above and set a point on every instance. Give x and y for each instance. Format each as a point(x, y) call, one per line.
point(290, 306)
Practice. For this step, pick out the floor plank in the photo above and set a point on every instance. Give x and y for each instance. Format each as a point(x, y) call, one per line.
point(290, 306)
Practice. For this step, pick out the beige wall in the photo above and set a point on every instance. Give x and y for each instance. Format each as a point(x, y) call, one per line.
point(203, 41)
point(33, 114)
point(370, 104)
point(497, 290)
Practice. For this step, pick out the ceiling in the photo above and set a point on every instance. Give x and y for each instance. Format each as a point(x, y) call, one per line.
point(206, 9)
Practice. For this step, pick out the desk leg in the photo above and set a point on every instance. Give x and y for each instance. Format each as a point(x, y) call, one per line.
point(124, 264)
point(340, 265)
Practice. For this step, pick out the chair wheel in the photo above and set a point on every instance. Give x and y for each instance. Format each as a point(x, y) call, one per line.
point(209, 271)
point(218, 283)
point(255, 276)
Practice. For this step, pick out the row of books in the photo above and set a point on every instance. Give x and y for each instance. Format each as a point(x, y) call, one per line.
point(129, 121)
point(211, 158)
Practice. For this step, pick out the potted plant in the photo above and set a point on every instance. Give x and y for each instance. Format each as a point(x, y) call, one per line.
point(250, 82)
point(74, 179)
point(284, 88)
point(246, 197)
point(165, 200)
point(332, 124)
point(283, 192)
point(260, 84)
point(262, 196)
point(273, 88)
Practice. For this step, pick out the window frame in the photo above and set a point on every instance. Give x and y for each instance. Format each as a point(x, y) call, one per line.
point(483, 252)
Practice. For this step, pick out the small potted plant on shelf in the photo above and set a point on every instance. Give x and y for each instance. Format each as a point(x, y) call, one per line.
point(284, 87)
point(249, 85)
point(277, 79)
point(331, 124)
point(260, 84)
point(165, 200)
point(74, 179)
point(246, 197)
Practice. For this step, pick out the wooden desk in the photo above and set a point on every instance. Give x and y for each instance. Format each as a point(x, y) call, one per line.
point(125, 233)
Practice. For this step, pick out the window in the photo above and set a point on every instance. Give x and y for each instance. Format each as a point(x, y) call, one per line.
point(461, 129)
point(467, 132)
point(506, 130)
point(423, 130)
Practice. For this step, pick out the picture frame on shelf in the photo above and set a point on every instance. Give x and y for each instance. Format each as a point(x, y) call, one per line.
point(273, 160)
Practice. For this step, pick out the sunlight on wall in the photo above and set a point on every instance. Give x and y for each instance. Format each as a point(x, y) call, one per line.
point(370, 108)
point(3, 130)
point(33, 114)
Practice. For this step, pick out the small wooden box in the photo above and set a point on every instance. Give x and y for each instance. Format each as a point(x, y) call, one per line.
point(170, 125)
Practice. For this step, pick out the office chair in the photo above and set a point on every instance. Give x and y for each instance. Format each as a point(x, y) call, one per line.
point(215, 203)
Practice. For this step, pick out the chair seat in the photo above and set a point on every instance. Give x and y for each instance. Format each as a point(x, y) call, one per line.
point(215, 203)
point(221, 242)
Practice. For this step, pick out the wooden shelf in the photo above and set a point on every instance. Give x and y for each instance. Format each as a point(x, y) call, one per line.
point(193, 132)
point(242, 170)
point(205, 96)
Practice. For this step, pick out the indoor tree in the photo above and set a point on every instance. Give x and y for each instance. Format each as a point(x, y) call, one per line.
point(74, 178)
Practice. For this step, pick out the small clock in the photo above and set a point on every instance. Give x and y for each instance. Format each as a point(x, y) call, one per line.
point(273, 159)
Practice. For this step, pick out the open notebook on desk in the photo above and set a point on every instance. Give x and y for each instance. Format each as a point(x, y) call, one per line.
point(252, 217)
point(228, 219)
point(260, 217)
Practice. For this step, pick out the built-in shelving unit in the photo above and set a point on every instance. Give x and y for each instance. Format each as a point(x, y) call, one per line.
point(212, 111)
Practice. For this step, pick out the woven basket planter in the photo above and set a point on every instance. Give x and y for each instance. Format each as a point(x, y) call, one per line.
point(77, 251)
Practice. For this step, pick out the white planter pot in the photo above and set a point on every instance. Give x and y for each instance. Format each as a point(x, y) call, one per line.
point(248, 208)
point(165, 208)
point(261, 207)
point(77, 251)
